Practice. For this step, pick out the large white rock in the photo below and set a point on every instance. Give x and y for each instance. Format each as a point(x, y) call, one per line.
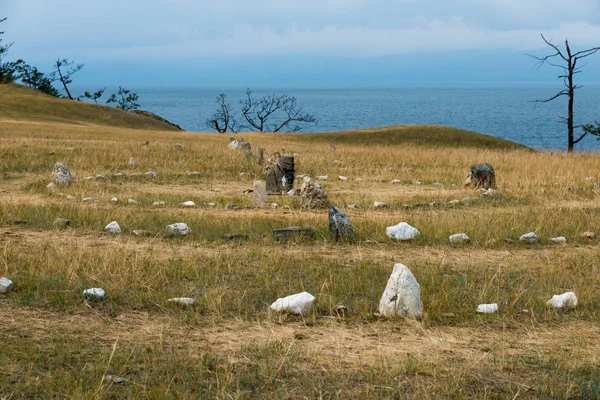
point(530, 237)
point(188, 203)
point(62, 174)
point(487, 308)
point(113, 227)
point(184, 301)
point(458, 238)
point(300, 303)
point(180, 228)
point(94, 293)
point(6, 285)
point(114, 200)
point(402, 231)
point(343, 178)
point(379, 204)
point(566, 300)
point(402, 295)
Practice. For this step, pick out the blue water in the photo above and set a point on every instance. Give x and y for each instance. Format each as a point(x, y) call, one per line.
point(503, 110)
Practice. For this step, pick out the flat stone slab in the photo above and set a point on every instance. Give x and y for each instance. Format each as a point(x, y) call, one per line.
point(294, 232)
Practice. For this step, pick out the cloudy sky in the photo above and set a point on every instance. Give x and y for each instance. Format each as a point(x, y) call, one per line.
point(304, 42)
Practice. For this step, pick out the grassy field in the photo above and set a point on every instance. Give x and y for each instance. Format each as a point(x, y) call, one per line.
point(55, 344)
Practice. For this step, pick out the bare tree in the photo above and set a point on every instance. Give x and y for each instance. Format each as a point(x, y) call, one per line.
point(223, 119)
point(273, 112)
point(567, 61)
point(64, 76)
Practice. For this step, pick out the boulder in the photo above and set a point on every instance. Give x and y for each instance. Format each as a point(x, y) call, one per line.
point(178, 229)
point(94, 293)
point(6, 285)
point(182, 301)
point(559, 239)
point(294, 232)
point(458, 238)
point(566, 300)
point(402, 231)
point(312, 194)
point(530, 237)
point(260, 194)
point(481, 176)
point(62, 174)
point(299, 304)
point(402, 295)
point(487, 308)
point(61, 223)
point(113, 227)
point(340, 226)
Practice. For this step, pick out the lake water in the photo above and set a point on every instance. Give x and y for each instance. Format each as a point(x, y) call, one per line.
point(502, 110)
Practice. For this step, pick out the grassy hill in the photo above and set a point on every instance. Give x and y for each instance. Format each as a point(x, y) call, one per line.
point(18, 102)
point(229, 344)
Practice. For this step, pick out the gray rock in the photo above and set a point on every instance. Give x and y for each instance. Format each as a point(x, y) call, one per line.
point(178, 229)
point(94, 293)
point(340, 226)
point(312, 194)
point(151, 174)
point(113, 227)
point(182, 301)
point(481, 176)
point(230, 206)
point(62, 174)
point(260, 194)
point(294, 232)
point(6, 285)
point(235, 236)
point(177, 146)
point(458, 238)
point(100, 177)
point(61, 223)
point(530, 237)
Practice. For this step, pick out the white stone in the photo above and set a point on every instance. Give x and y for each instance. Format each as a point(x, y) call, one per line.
point(195, 173)
point(436, 184)
point(417, 183)
point(260, 198)
point(69, 197)
point(343, 178)
point(402, 231)
point(560, 239)
point(292, 192)
point(300, 176)
point(274, 205)
point(87, 199)
point(188, 203)
point(151, 173)
point(358, 180)
point(453, 202)
point(94, 293)
point(179, 228)
point(487, 308)
point(211, 204)
point(234, 145)
point(101, 177)
point(300, 303)
point(490, 193)
point(118, 174)
point(62, 174)
point(530, 237)
point(158, 203)
point(396, 181)
point(566, 300)
point(131, 201)
point(177, 146)
point(402, 295)
point(51, 186)
point(6, 285)
point(114, 200)
point(351, 206)
point(322, 177)
point(466, 200)
point(458, 238)
point(379, 204)
point(131, 161)
point(113, 227)
point(184, 301)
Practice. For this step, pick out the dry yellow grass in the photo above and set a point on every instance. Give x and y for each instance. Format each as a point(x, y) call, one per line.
point(55, 344)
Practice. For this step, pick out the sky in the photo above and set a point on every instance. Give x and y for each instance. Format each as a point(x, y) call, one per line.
point(304, 43)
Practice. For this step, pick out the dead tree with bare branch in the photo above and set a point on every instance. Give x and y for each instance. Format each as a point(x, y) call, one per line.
point(567, 61)
point(274, 113)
